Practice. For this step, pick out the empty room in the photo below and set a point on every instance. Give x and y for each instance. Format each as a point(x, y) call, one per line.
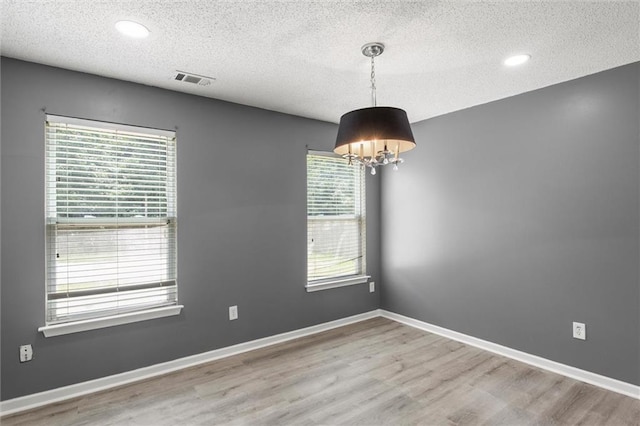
point(319, 212)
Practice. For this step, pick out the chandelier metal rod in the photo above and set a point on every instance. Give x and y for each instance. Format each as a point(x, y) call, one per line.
point(374, 101)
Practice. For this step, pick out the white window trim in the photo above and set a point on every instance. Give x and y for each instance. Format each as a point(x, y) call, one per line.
point(109, 125)
point(336, 282)
point(76, 326)
point(109, 321)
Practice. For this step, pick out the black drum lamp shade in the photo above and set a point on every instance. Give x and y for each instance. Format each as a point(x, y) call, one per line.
point(368, 131)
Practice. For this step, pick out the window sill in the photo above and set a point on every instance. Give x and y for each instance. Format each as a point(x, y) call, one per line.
point(110, 321)
point(338, 282)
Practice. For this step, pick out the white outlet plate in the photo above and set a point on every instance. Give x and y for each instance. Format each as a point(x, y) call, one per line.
point(233, 313)
point(26, 353)
point(372, 287)
point(579, 331)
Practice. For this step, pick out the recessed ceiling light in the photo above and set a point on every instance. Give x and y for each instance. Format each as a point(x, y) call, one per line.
point(132, 29)
point(512, 61)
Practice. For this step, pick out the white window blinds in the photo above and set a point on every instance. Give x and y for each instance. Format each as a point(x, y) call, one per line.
point(335, 218)
point(110, 219)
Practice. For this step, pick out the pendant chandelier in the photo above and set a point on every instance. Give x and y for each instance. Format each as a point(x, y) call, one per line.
point(374, 136)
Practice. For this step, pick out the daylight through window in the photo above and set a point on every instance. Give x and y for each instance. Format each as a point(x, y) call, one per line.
point(110, 219)
point(335, 218)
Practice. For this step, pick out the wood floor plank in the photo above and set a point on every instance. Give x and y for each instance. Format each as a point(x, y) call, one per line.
point(373, 372)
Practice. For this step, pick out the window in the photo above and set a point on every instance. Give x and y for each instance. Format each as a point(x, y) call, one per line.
point(336, 243)
point(110, 220)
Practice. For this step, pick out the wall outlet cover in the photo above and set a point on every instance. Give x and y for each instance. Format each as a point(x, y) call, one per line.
point(26, 353)
point(233, 313)
point(579, 331)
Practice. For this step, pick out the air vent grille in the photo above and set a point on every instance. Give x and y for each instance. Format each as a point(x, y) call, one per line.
point(191, 78)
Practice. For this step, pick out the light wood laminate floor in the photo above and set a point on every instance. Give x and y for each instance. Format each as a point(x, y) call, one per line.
point(373, 372)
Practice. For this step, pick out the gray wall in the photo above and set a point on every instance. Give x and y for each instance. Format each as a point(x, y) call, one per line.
point(241, 231)
point(508, 222)
point(513, 219)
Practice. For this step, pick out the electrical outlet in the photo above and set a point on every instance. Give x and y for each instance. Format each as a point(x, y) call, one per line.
point(579, 331)
point(26, 353)
point(233, 313)
point(372, 287)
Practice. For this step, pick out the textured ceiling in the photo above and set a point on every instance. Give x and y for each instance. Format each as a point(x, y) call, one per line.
point(303, 57)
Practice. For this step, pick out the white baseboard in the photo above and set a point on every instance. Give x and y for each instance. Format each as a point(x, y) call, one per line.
point(28, 402)
point(546, 364)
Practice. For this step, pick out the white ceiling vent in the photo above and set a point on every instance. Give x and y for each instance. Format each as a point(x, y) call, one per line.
point(189, 77)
